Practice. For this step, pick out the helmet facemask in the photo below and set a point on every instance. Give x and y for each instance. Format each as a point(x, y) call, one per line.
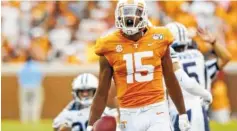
point(83, 88)
point(179, 47)
point(84, 97)
point(130, 18)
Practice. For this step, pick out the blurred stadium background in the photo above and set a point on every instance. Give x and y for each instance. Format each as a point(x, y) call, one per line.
point(62, 34)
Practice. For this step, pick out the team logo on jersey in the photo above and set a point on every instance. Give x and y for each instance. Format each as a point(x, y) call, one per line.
point(135, 45)
point(119, 48)
point(122, 124)
point(158, 36)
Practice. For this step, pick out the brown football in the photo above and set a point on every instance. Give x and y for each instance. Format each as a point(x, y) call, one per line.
point(105, 123)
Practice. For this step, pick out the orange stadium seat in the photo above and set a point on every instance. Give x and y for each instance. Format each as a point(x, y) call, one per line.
point(186, 19)
point(72, 59)
point(43, 43)
point(220, 98)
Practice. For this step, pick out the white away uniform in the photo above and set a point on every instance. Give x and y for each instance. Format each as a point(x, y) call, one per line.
point(211, 71)
point(77, 117)
point(193, 63)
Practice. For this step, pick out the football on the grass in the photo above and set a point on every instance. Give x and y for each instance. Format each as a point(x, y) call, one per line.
point(106, 123)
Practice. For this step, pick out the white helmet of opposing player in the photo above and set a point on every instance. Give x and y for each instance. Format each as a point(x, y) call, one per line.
point(131, 16)
point(180, 34)
point(84, 82)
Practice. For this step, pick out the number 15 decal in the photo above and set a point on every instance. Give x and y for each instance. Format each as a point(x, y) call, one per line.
point(138, 67)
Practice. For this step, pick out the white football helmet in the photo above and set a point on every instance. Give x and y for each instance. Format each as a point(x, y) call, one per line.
point(83, 82)
point(131, 16)
point(180, 34)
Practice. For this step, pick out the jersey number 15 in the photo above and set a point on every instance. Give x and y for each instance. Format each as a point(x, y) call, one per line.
point(136, 58)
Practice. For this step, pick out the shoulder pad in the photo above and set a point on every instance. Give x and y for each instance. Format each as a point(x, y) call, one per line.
point(103, 44)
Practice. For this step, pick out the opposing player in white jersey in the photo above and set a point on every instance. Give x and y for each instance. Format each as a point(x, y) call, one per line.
point(75, 115)
point(193, 63)
point(221, 58)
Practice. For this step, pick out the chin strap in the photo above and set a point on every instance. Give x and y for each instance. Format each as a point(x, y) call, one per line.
point(144, 30)
point(130, 31)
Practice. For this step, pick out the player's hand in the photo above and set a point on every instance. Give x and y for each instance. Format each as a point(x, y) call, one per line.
point(206, 35)
point(184, 124)
point(206, 101)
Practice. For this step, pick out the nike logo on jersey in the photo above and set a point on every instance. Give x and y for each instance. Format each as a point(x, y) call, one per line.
point(158, 113)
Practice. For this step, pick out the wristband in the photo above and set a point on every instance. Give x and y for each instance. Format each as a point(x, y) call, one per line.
point(183, 116)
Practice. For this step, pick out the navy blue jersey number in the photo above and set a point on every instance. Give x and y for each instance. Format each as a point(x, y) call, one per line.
point(190, 74)
point(77, 126)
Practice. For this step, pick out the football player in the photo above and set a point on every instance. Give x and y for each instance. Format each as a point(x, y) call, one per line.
point(75, 116)
point(190, 87)
point(192, 62)
point(137, 56)
point(222, 57)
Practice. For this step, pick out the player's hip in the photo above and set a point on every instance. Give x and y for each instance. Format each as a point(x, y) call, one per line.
point(143, 118)
point(156, 108)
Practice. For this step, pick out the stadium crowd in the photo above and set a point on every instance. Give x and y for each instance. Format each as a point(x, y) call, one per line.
point(65, 31)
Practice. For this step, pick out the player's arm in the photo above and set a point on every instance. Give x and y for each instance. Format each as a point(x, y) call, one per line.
point(113, 101)
point(101, 95)
point(172, 84)
point(61, 123)
point(222, 53)
point(189, 84)
point(174, 91)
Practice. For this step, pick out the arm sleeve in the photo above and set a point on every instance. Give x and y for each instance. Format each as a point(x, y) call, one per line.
point(170, 37)
point(211, 68)
point(190, 85)
point(99, 50)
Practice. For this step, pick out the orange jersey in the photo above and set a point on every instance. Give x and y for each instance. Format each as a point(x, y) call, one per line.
point(136, 65)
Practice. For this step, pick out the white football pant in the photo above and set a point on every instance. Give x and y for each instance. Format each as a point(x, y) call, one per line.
point(154, 117)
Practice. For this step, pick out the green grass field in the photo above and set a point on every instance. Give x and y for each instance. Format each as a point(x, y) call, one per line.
point(45, 125)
